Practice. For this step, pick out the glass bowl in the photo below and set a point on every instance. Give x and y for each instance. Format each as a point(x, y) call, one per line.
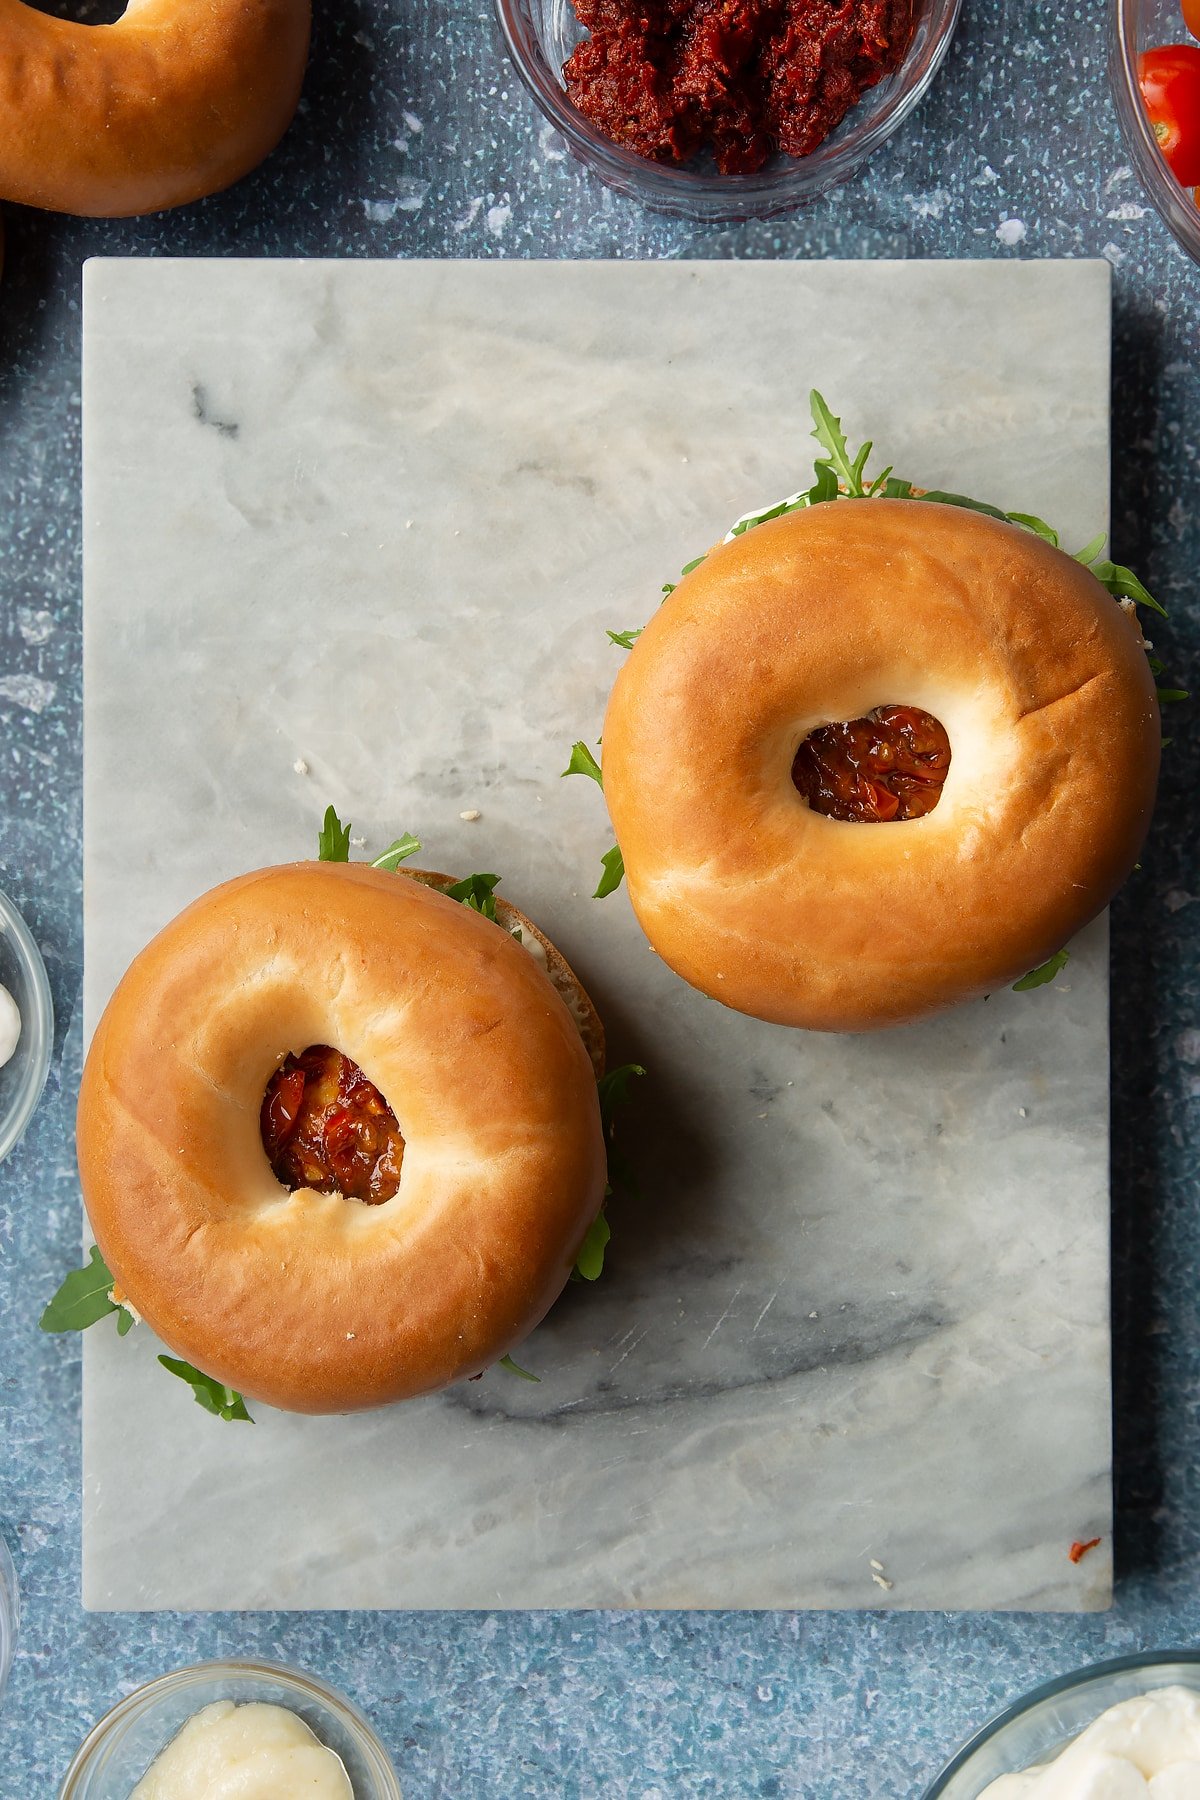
point(1044, 1722)
point(541, 34)
point(23, 1077)
point(117, 1752)
point(1134, 26)
point(10, 1614)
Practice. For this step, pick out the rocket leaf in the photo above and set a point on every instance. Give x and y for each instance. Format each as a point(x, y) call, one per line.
point(223, 1402)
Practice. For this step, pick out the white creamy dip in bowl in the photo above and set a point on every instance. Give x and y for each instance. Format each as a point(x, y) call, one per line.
point(122, 1750)
point(1091, 1735)
point(26, 1025)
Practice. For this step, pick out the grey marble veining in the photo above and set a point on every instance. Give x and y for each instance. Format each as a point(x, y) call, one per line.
point(372, 520)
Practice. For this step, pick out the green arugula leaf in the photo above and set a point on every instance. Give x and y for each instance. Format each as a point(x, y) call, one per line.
point(1039, 527)
point(1166, 695)
point(222, 1402)
point(941, 498)
point(894, 488)
point(858, 471)
point(1044, 972)
point(825, 487)
point(613, 1090)
point(514, 1368)
point(590, 1261)
point(614, 873)
point(625, 640)
point(475, 891)
point(1123, 584)
point(583, 762)
point(397, 852)
point(1156, 668)
point(333, 843)
point(668, 587)
point(828, 432)
point(694, 564)
point(1090, 552)
point(83, 1299)
point(780, 511)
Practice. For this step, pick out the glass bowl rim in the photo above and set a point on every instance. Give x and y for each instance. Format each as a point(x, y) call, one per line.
point(1050, 1690)
point(10, 1613)
point(714, 197)
point(193, 1674)
point(37, 1029)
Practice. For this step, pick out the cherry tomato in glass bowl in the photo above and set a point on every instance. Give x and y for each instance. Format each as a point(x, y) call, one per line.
point(1191, 16)
point(1169, 79)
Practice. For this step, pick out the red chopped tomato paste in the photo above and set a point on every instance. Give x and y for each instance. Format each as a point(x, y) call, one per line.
point(325, 1126)
point(743, 77)
point(890, 765)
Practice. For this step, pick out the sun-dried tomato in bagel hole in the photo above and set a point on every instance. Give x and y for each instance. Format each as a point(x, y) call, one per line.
point(891, 764)
point(326, 1126)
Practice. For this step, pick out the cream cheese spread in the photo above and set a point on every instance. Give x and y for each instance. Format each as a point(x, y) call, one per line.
point(254, 1752)
point(758, 517)
point(10, 1026)
point(531, 944)
point(1147, 1746)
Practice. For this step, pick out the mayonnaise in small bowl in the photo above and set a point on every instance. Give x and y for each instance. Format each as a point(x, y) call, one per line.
point(256, 1748)
point(243, 1728)
point(10, 1026)
point(1122, 1730)
point(26, 1025)
point(1145, 1746)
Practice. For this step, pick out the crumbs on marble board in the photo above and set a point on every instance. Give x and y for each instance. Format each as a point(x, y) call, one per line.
point(878, 1576)
point(469, 817)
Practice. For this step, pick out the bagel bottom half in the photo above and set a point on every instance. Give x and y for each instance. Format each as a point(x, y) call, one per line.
point(304, 1299)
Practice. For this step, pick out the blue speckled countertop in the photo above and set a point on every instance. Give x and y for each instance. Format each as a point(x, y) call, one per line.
point(415, 139)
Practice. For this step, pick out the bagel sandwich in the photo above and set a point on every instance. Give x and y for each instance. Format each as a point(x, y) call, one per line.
point(880, 751)
point(342, 1136)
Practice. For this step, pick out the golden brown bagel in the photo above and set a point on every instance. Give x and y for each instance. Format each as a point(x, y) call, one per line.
point(1033, 669)
point(306, 1300)
point(176, 100)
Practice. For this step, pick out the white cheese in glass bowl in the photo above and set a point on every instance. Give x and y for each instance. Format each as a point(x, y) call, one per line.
point(10, 1026)
point(257, 1750)
point(1148, 1746)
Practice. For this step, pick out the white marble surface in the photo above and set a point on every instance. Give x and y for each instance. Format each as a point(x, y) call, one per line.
point(373, 519)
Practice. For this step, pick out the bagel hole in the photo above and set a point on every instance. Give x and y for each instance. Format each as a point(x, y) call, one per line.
point(325, 1126)
point(889, 765)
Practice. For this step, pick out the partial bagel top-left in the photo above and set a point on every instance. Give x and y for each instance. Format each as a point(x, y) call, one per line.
point(175, 100)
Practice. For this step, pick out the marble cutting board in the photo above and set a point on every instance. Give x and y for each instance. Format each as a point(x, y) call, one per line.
point(354, 532)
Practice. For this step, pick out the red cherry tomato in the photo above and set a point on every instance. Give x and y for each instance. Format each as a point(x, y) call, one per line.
point(1191, 16)
point(1169, 79)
